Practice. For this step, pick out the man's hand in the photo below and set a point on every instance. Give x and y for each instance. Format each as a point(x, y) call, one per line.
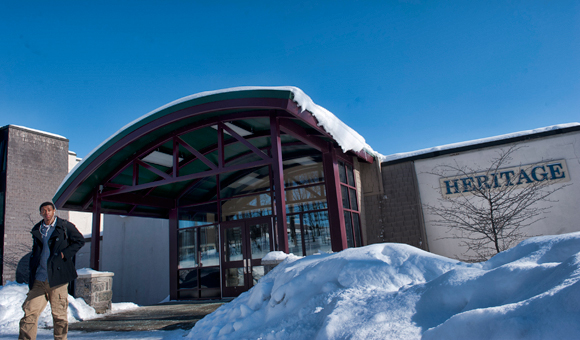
point(62, 255)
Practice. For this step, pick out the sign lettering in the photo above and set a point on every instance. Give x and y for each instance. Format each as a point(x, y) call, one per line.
point(550, 172)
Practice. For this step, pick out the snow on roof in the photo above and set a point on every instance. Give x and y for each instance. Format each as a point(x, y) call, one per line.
point(402, 155)
point(38, 131)
point(347, 138)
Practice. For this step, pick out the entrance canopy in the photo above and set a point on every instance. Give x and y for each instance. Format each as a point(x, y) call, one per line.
point(160, 158)
point(260, 169)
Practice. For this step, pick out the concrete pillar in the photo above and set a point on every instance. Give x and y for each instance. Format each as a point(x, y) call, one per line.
point(96, 288)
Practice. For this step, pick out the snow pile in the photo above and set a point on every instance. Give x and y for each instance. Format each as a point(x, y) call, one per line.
point(327, 295)
point(12, 296)
point(394, 291)
point(383, 291)
point(278, 256)
point(475, 142)
point(90, 271)
point(123, 306)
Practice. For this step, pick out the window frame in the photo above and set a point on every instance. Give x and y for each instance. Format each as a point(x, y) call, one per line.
point(351, 189)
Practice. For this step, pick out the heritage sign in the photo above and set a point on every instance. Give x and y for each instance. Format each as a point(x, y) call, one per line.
point(546, 172)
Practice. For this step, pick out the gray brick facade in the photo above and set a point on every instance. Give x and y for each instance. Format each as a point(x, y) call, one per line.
point(36, 164)
point(392, 206)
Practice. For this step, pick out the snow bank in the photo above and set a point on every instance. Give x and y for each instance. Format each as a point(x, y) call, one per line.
point(325, 296)
point(278, 256)
point(396, 291)
point(384, 291)
point(12, 296)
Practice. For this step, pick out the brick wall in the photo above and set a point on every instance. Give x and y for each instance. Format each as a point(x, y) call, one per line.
point(392, 205)
point(36, 165)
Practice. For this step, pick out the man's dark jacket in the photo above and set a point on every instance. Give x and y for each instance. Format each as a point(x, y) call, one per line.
point(65, 239)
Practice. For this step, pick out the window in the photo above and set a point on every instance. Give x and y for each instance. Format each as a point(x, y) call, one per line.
point(350, 204)
point(308, 225)
point(198, 261)
point(309, 233)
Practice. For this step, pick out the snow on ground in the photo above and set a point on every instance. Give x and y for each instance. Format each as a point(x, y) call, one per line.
point(46, 334)
point(12, 295)
point(385, 291)
point(394, 291)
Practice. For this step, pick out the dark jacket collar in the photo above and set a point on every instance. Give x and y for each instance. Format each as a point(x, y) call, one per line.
point(58, 226)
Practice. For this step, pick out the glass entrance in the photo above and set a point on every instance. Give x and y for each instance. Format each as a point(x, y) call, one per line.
point(244, 243)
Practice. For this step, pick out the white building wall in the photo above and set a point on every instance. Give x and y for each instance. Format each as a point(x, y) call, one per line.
point(137, 251)
point(563, 217)
point(84, 223)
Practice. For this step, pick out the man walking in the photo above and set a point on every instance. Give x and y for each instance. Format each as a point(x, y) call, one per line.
point(54, 243)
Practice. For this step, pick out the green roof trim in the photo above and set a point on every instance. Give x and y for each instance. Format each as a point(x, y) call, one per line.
point(175, 106)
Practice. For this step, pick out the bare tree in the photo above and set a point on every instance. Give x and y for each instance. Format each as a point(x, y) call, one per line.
point(489, 210)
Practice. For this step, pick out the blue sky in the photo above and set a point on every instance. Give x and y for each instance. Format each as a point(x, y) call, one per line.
point(406, 75)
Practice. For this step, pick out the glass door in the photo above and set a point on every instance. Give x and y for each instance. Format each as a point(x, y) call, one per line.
point(244, 243)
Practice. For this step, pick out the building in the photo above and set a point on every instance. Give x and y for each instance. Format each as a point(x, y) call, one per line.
point(190, 197)
point(232, 171)
point(32, 165)
point(423, 178)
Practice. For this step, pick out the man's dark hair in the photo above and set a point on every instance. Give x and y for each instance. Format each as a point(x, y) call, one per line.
point(45, 204)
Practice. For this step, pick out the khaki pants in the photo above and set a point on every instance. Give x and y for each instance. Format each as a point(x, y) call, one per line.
point(36, 301)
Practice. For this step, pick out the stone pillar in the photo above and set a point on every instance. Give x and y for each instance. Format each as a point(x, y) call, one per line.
point(96, 288)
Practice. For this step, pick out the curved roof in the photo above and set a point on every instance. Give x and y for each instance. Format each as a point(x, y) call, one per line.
point(190, 120)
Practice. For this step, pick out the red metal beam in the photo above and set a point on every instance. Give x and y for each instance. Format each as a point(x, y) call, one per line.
point(144, 200)
point(196, 153)
point(363, 155)
point(298, 132)
point(153, 169)
point(221, 147)
point(231, 104)
point(96, 232)
point(173, 249)
point(135, 173)
point(175, 167)
point(278, 178)
point(334, 199)
point(88, 203)
point(245, 142)
point(189, 177)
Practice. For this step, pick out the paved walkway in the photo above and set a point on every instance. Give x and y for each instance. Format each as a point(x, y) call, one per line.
point(168, 316)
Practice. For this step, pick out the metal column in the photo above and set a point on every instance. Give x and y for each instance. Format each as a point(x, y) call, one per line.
point(96, 232)
point(278, 177)
point(334, 198)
